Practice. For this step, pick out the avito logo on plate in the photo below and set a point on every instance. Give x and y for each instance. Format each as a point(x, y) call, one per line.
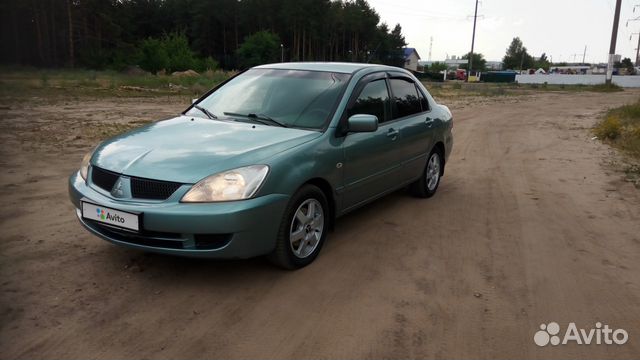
point(108, 216)
point(550, 334)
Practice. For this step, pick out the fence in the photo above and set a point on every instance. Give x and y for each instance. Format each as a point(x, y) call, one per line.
point(562, 79)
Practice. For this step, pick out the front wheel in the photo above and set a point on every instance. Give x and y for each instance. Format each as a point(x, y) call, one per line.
point(303, 229)
point(427, 185)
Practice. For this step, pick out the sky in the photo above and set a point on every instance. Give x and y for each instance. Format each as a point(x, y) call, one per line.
point(559, 28)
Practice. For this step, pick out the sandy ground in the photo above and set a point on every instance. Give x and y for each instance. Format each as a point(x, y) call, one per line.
point(530, 225)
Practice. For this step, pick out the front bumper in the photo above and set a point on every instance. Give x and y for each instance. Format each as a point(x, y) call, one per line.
point(238, 229)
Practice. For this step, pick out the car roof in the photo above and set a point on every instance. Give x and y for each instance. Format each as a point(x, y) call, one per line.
point(338, 67)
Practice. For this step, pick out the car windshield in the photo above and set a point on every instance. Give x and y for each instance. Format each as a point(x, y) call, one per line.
point(294, 98)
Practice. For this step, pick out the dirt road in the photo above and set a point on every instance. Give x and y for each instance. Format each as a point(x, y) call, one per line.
point(530, 225)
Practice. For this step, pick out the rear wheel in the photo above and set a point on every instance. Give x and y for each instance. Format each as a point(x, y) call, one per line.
point(427, 185)
point(303, 229)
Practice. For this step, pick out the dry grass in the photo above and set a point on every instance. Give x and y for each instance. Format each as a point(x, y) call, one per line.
point(621, 128)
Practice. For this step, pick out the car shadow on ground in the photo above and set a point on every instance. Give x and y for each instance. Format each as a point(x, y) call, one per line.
point(152, 266)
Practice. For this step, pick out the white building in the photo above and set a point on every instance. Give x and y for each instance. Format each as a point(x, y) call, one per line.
point(411, 59)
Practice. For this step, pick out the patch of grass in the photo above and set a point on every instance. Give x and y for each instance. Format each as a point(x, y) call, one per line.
point(452, 89)
point(26, 81)
point(459, 89)
point(621, 128)
point(605, 88)
point(609, 128)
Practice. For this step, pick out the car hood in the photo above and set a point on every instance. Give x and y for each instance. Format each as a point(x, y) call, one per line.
point(186, 149)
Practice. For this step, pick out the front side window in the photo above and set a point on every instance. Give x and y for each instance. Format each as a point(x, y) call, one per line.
point(405, 98)
point(303, 99)
point(423, 101)
point(372, 100)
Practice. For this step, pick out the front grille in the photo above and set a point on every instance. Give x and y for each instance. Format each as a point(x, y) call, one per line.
point(144, 237)
point(140, 188)
point(103, 178)
point(152, 189)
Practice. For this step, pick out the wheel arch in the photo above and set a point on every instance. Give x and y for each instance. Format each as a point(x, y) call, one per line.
point(327, 189)
point(439, 146)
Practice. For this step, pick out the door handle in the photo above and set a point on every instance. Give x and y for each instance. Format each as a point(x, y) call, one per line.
point(392, 133)
point(429, 121)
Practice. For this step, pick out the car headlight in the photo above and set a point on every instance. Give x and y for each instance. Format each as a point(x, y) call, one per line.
point(84, 166)
point(237, 184)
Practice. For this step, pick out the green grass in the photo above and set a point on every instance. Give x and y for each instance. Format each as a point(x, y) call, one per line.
point(606, 88)
point(460, 89)
point(621, 128)
point(24, 81)
point(457, 88)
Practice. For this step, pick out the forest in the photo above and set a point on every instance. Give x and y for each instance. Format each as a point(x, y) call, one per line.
point(198, 34)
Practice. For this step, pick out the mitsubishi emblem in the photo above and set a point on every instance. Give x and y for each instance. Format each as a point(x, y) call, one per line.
point(117, 189)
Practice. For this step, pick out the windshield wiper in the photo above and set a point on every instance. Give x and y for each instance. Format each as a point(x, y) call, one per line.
point(261, 118)
point(209, 114)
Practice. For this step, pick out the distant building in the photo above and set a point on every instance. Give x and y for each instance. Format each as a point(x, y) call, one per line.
point(411, 59)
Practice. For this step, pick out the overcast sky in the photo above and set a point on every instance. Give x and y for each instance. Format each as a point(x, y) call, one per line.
point(560, 28)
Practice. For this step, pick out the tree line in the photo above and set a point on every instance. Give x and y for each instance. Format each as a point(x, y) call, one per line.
point(118, 33)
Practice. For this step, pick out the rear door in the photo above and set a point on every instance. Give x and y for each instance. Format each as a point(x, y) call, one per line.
point(410, 109)
point(371, 163)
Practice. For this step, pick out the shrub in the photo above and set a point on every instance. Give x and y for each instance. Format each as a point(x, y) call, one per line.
point(153, 55)
point(621, 126)
point(207, 64)
point(180, 56)
point(171, 53)
point(609, 128)
point(259, 48)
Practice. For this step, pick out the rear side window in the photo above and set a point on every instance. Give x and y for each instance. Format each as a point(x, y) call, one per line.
point(405, 98)
point(372, 100)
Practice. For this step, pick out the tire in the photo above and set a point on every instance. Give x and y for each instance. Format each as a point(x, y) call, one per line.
point(427, 185)
point(301, 236)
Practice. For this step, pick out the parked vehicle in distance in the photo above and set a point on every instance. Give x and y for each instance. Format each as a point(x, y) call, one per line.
point(263, 163)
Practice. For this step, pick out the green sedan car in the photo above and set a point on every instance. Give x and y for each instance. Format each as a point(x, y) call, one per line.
point(265, 162)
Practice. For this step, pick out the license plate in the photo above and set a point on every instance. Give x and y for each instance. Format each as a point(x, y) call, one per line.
point(117, 218)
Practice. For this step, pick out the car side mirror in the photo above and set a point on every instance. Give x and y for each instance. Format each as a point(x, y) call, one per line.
point(193, 101)
point(362, 123)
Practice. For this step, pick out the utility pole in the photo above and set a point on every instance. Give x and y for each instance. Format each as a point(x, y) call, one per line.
point(637, 49)
point(584, 54)
point(631, 36)
point(638, 52)
point(430, 47)
point(473, 39)
point(612, 47)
